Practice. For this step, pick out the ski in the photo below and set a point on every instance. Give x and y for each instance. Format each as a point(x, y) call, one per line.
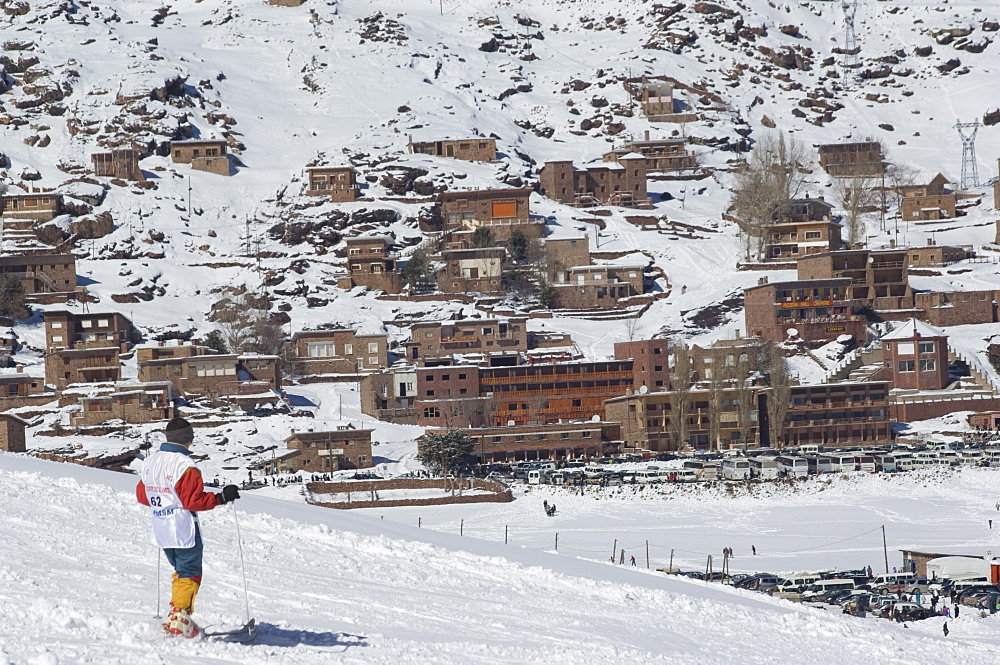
point(243, 635)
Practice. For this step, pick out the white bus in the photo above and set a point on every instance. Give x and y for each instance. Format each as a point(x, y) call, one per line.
point(736, 468)
point(886, 464)
point(841, 462)
point(864, 463)
point(703, 470)
point(647, 476)
point(764, 468)
point(792, 467)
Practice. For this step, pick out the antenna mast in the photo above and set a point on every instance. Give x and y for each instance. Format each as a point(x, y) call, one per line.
point(970, 172)
point(851, 49)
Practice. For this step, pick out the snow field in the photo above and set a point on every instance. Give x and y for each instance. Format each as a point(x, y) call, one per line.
point(333, 586)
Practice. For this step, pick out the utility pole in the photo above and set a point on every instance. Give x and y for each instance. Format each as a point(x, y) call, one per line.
point(885, 551)
point(189, 198)
point(970, 171)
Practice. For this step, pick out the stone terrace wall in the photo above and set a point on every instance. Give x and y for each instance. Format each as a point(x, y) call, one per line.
point(499, 493)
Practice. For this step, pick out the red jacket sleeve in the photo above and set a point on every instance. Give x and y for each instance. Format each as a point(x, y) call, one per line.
point(191, 490)
point(140, 493)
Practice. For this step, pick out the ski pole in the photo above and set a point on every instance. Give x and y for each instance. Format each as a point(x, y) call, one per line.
point(157, 583)
point(239, 542)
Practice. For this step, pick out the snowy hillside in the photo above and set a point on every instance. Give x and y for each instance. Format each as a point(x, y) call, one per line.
point(330, 586)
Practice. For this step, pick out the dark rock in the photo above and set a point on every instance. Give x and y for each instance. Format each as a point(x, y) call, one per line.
point(490, 47)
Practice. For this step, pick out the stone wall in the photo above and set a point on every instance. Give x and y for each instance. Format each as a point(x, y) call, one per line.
point(500, 493)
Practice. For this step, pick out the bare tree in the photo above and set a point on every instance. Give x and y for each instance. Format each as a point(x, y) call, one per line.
point(779, 398)
point(748, 367)
point(245, 325)
point(764, 186)
point(716, 397)
point(680, 393)
point(856, 194)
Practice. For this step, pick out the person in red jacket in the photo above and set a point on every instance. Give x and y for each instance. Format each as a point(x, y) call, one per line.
point(171, 485)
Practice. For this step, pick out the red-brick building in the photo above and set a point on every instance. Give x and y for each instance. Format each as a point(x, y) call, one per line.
point(917, 355)
point(555, 441)
point(617, 181)
point(819, 310)
point(497, 341)
point(313, 353)
point(68, 330)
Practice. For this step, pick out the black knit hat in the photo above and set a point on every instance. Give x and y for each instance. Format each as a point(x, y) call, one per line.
point(180, 431)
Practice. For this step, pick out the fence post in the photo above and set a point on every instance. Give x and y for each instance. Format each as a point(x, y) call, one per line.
point(505, 527)
point(614, 548)
point(670, 568)
point(647, 555)
point(420, 521)
point(557, 542)
point(621, 562)
point(461, 528)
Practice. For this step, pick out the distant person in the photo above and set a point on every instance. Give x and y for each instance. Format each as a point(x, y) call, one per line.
point(946, 629)
point(753, 548)
point(870, 572)
point(633, 560)
point(958, 606)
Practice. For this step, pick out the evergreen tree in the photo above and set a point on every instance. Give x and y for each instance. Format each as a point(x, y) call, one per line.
point(12, 297)
point(482, 237)
point(443, 452)
point(214, 341)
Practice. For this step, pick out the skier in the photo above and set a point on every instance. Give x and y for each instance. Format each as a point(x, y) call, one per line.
point(171, 485)
point(633, 560)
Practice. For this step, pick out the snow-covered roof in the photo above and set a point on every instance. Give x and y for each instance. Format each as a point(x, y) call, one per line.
point(914, 328)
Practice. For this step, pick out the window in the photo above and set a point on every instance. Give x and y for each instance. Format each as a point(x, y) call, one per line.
point(577, 402)
point(430, 378)
point(432, 412)
point(430, 393)
point(348, 349)
point(813, 235)
point(496, 439)
point(57, 338)
point(320, 349)
point(926, 347)
point(487, 331)
point(519, 437)
point(56, 324)
point(564, 435)
point(906, 366)
point(446, 377)
point(512, 406)
point(461, 377)
point(542, 437)
point(904, 348)
point(87, 323)
point(928, 365)
point(373, 360)
point(585, 435)
point(372, 347)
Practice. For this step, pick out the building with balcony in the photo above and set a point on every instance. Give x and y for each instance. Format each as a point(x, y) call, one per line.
point(662, 155)
point(563, 254)
point(371, 262)
point(917, 356)
point(817, 310)
point(925, 208)
point(215, 376)
point(599, 286)
point(36, 206)
point(619, 180)
point(494, 341)
point(836, 414)
point(82, 365)
point(69, 330)
point(502, 211)
point(878, 277)
point(122, 163)
point(132, 403)
point(42, 273)
point(210, 155)
point(340, 183)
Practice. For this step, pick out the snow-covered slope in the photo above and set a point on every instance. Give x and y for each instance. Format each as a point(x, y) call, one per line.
point(79, 577)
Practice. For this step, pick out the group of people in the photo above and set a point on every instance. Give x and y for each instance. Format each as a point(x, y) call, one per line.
point(550, 508)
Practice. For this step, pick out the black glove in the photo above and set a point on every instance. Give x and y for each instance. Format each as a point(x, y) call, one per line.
point(228, 493)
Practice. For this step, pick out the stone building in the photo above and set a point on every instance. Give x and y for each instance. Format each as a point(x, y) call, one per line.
point(836, 414)
point(563, 254)
point(725, 358)
point(340, 183)
point(935, 187)
point(957, 308)
point(556, 441)
point(215, 375)
point(68, 330)
point(662, 155)
point(478, 149)
point(599, 286)
point(878, 277)
point(472, 270)
point(335, 450)
point(496, 341)
point(863, 158)
point(42, 273)
point(645, 419)
point(936, 256)
point(314, 353)
point(806, 227)
point(917, 356)
point(502, 211)
point(36, 206)
point(12, 433)
point(818, 310)
point(83, 365)
point(203, 155)
point(118, 163)
point(371, 262)
point(617, 181)
point(924, 208)
point(135, 404)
